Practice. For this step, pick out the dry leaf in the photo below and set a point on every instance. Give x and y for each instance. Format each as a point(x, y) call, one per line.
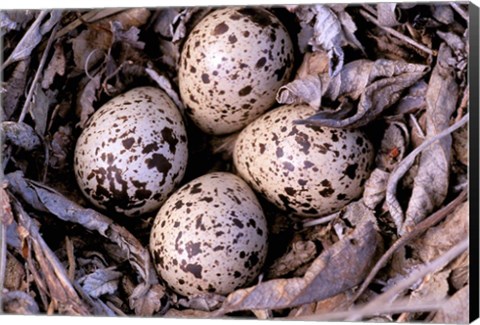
point(166, 85)
point(34, 35)
point(460, 144)
point(307, 90)
point(439, 239)
point(204, 302)
point(413, 101)
point(101, 281)
point(393, 146)
point(379, 85)
point(15, 88)
point(146, 300)
point(60, 147)
point(56, 66)
point(21, 135)
point(14, 274)
point(433, 287)
point(386, 14)
point(456, 309)
point(323, 28)
point(431, 182)
point(40, 106)
point(337, 269)
point(86, 98)
point(375, 188)
point(338, 302)
point(19, 303)
point(300, 253)
point(164, 20)
point(443, 13)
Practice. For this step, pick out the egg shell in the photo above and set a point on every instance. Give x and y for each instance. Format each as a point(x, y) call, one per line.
point(231, 66)
point(210, 236)
point(132, 153)
point(307, 170)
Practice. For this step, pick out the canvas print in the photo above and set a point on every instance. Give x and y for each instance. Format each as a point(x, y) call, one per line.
point(288, 162)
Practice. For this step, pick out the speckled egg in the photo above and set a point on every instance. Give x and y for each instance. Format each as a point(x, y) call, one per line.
point(132, 153)
point(231, 66)
point(309, 171)
point(210, 236)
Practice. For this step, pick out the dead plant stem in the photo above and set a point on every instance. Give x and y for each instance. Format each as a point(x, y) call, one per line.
point(459, 10)
point(397, 34)
point(36, 79)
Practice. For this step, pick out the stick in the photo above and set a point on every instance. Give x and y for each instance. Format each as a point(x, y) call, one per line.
point(399, 35)
point(37, 75)
point(459, 10)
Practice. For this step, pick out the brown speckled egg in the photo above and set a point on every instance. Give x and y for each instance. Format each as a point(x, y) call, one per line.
point(309, 171)
point(210, 236)
point(132, 152)
point(231, 66)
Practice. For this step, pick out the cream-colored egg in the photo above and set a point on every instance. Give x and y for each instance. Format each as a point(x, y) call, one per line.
point(309, 171)
point(231, 66)
point(210, 236)
point(132, 153)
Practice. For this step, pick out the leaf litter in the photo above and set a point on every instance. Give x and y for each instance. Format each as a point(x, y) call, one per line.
point(391, 255)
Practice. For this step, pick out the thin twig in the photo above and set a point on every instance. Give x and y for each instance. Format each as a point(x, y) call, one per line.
point(460, 10)
point(35, 25)
point(398, 34)
point(418, 230)
point(417, 125)
point(322, 220)
point(37, 75)
point(393, 205)
point(403, 305)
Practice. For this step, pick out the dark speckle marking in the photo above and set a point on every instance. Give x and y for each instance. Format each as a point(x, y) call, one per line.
point(260, 63)
point(205, 78)
point(258, 17)
point(128, 143)
point(167, 135)
point(252, 260)
point(360, 141)
point(195, 269)
point(196, 188)
point(290, 191)
point(150, 147)
point(326, 183)
point(193, 249)
point(351, 171)
point(327, 192)
point(245, 91)
point(159, 162)
point(341, 196)
point(232, 38)
point(289, 166)
point(238, 223)
point(220, 29)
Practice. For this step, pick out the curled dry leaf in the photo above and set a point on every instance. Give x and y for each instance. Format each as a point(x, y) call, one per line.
point(324, 28)
point(306, 90)
point(101, 282)
point(393, 146)
point(431, 182)
point(375, 188)
point(40, 106)
point(379, 85)
point(413, 101)
point(60, 147)
point(21, 135)
point(443, 14)
point(205, 302)
point(300, 253)
point(338, 268)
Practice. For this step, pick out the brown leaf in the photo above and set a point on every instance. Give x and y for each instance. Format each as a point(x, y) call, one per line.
point(101, 282)
point(204, 302)
point(14, 274)
point(86, 98)
point(39, 108)
point(300, 253)
point(439, 239)
point(335, 303)
point(307, 90)
point(19, 303)
point(164, 20)
point(379, 85)
point(386, 14)
point(56, 66)
point(456, 310)
point(337, 269)
point(90, 47)
point(431, 182)
point(460, 144)
point(146, 299)
point(413, 101)
point(393, 146)
point(15, 87)
point(375, 188)
point(60, 147)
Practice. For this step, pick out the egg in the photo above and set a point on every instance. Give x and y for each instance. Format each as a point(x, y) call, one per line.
point(231, 66)
point(132, 153)
point(210, 236)
point(306, 170)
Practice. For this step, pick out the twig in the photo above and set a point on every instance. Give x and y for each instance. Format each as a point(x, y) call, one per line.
point(400, 306)
point(459, 10)
point(3, 261)
point(417, 125)
point(322, 220)
point(418, 230)
point(393, 205)
point(37, 75)
point(35, 25)
point(89, 17)
point(389, 295)
point(398, 34)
